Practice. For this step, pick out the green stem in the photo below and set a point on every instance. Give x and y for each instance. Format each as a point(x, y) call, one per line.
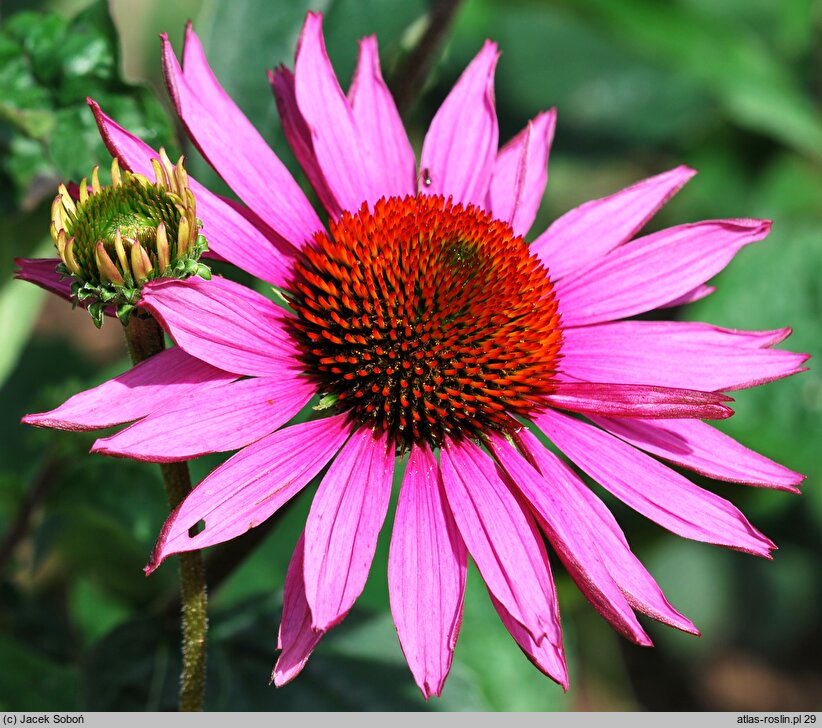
point(145, 338)
point(408, 79)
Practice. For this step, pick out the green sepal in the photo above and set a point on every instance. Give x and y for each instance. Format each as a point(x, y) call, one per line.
point(96, 311)
point(124, 311)
point(85, 292)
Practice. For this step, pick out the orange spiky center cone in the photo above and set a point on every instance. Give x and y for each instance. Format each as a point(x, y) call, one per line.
point(426, 319)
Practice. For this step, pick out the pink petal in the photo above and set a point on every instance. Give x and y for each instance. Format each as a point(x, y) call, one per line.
point(588, 514)
point(636, 400)
point(673, 354)
point(426, 573)
point(589, 231)
point(521, 173)
point(251, 486)
point(343, 524)
point(223, 323)
point(298, 136)
point(225, 417)
point(699, 447)
point(338, 144)
point(42, 272)
point(697, 294)
point(153, 384)
point(501, 537)
point(460, 147)
point(296, 638)
point(566, 525)
point(651, 488)
point(392, 162)
point(229, 234)
point(231, 144)
point(547, 657)
point(653, 270)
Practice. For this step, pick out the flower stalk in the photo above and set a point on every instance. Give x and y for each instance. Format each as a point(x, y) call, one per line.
point(145, 338)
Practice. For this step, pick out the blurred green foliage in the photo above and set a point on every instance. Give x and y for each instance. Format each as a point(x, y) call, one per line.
point(730, 88)
point(48, 66)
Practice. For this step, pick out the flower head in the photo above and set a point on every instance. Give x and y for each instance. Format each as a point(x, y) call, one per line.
point(396, 325)
point(112, 240)
point(435, 336)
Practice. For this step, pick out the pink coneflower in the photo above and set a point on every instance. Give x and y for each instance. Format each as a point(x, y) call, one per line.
point(436, 336)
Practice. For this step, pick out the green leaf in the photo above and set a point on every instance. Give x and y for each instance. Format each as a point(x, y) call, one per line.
point(48, 66)
point(94, 610)
point(755, 88)
point(771, 285)
point(19, 306)
point(134, 667)
point(30, 681)
point(40, 35)
point(491, 659)
point(603, 95)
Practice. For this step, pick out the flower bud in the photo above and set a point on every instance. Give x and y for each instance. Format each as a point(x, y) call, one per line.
point(113, 239)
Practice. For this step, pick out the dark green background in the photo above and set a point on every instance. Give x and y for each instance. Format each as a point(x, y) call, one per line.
point(730, 88)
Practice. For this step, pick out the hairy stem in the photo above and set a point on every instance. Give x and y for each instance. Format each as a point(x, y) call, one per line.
point(145, 338)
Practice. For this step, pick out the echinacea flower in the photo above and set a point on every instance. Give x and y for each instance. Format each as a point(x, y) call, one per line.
point(435, 335)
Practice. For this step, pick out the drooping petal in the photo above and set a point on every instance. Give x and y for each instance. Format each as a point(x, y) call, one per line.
point(342, 527)
point(673, 354)
point(426, 573)
point(547, 657)
point(223, 418)
point(43, 272)
point(653, 270)
point(231, 144)
point(521, 173)
point(298, 136)
point(392, 162)
point(501, 538)
point(229, 233)
point(704, 449)
point(170, 376)
point(651, 488)
point(250, 486)
point(637, 400)
point(593, 522)
point(589, 231)
point(460, 147)
point(562, 520)
point(223, 323)
point(296, 638)
point(337, 142)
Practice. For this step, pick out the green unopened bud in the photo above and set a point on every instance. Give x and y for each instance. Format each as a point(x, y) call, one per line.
point(114, 239)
